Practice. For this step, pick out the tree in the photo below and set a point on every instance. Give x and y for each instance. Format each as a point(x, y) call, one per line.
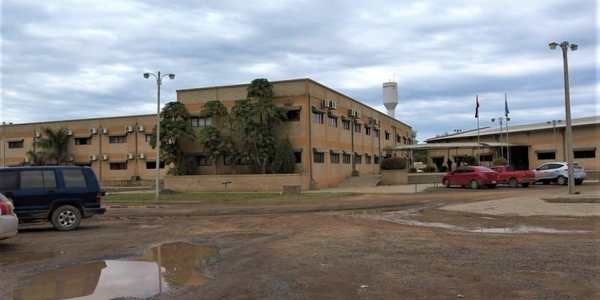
point(255, 122)
point(175, 127)
point(284, 160)
point(35, 159)
point(53, 147)
point(210, 137)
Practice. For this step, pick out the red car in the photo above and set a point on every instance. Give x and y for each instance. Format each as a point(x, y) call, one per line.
point(473, 176)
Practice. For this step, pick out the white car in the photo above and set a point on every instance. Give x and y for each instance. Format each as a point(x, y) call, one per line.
point(559, 172)
point(9, 222)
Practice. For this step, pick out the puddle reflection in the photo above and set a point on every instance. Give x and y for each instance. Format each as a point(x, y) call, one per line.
point(402, 217)
point(162, 267)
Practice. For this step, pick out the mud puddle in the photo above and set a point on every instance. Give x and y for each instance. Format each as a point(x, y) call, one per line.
point(404, 217)
point(160, 269)
point(12, 258)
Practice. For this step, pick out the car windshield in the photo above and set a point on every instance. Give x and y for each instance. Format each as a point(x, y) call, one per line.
point(484, 169)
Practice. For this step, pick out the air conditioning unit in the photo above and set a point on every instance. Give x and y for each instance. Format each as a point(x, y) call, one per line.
point(357, 113)
point(37, 134)
point(140, 128)
point(324, 103)
point(93, 131)
point(141, 155)
point(332, 105)
point(104, 157)
point(353, 113)
point(128, 156)
point(69, 132)
point(25, 160)
point(128, 128)
point(373, 121)
point(93, 157)
point(104, 130)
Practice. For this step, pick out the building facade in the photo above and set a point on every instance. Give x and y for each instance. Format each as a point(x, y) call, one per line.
point(333, 135)
point(525, 146)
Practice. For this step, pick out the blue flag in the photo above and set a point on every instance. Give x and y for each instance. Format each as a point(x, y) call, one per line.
point(506, 112)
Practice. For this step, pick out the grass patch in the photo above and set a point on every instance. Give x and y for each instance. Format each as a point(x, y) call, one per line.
point(214, 197)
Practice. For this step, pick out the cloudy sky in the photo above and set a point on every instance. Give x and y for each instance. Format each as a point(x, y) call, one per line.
point(76, 59)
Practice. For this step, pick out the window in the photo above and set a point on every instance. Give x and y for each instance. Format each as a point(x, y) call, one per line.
point(357, 160)
point(357, 128)
point(117, 139)
point(118, 166)
point(148, 137)
point(202, 160)
point(398, 139)
point(8, 180)
point(83, 141)
point(376, 160)
point(387, 135)
point(319, 158)
point(332, 122)
point(74, 178)
point(298, 156)
point(546, 155)
point(317, 117)
point(293, 115)
point(485, 157)
point(335, 158)
point(346, 158)
point(367, 160)
point(585, 154)
point(226, 161)
point(376, 133)
point(345, 125)
point(367, 131)
point(200, 122)
point(152, 165)
point(38, 179)
point(17, 144)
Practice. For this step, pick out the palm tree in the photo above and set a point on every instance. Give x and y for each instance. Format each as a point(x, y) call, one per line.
point(54, 146)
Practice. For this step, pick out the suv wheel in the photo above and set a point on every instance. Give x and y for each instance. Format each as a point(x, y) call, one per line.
point(474, 184)
point(561, 180)
point(66, 217)
point(447, 183)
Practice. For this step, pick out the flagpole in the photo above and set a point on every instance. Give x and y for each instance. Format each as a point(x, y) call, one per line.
point(507, 119)
point(477, 116)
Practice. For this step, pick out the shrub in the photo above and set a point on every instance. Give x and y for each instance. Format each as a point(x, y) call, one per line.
point(470, 160)
point(444, 169)
point(500, 161)
point(284, 160)
point(413, 170)
point(393, 163)
point(430, 169)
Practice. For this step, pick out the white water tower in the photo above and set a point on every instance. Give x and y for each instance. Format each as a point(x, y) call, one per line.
point(390, 97)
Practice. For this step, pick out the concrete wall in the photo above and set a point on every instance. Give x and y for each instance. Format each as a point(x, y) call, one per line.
point(239, 183)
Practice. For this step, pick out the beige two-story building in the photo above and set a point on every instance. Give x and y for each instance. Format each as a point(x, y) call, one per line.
point(334, 136)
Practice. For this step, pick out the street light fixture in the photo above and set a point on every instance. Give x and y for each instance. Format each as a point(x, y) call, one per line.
point(4, 124)
point(564, 46)
point(159, 78)
point(501, 133)
point(553, 122)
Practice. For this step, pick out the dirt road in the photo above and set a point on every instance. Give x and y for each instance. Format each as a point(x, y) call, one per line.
point(372, 246)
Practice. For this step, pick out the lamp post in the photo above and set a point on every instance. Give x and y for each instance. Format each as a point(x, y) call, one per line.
point(564, 46)
point(4, 124)
point(158, 84)
point(501, 134)
point(553, 122)
point(507, 145)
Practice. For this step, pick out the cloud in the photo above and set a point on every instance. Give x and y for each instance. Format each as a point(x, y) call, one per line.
point(79, 59)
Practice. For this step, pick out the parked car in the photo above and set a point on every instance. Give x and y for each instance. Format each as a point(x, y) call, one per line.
point(513, 177)
point(8, 219)
point(558, 172)
point(62, 195)
point(473, 176)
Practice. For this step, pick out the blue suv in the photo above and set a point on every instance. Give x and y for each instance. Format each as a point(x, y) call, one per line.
point(62, 195)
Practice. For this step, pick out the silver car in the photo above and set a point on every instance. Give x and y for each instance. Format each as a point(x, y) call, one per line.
point(8, 219)
point(558, 172)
